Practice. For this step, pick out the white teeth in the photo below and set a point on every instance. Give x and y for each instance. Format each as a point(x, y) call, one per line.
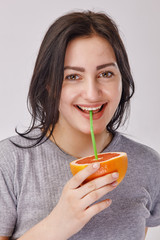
point(90, 108)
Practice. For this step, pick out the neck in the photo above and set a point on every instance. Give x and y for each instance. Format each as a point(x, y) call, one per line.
point(78, 144)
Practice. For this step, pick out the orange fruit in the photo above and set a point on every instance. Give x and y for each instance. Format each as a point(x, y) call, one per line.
point(109, 162)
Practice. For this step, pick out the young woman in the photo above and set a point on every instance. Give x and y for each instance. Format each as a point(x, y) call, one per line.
point(82, 65)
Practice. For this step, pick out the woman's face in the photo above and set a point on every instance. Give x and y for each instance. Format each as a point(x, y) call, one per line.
point(92, 81)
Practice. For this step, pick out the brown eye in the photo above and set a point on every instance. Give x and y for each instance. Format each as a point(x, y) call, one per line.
point(72, 77)
point(106, 74)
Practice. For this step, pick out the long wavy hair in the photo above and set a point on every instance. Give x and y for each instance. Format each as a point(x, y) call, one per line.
point(49, 70)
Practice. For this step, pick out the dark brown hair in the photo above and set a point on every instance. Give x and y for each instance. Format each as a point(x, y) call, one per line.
point(49, 69)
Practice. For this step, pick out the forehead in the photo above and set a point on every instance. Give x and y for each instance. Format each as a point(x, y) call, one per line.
point(84, 49)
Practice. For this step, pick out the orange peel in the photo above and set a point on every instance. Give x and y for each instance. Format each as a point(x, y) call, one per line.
point(109, 162)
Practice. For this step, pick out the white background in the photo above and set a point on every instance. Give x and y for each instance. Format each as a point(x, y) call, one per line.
point(22, 27)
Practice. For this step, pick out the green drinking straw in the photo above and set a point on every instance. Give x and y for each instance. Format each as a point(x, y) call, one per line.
point(92, 135)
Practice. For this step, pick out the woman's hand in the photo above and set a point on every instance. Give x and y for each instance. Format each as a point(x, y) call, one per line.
point(74, 208)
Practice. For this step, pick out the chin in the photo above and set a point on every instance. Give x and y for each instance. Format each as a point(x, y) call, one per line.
point(85, 131)
point(99, 131)
point(96, 131)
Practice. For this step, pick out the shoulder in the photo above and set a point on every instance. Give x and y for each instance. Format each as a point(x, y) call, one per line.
point(7, 148)
point(14, 150)
point(136, 147)
point(140, 156)
point(9, 152)
point(8, 145)
point(12, 156)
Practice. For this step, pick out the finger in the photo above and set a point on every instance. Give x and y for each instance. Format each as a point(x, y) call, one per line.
point(79, 178)
point(96, 208)
point(97, 183)
point(96, 195)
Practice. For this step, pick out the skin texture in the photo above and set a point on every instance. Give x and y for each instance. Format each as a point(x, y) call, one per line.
point(91, 78)
point(89, 87)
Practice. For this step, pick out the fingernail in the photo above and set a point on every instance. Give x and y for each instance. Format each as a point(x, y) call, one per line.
point(115, 184)
point(96, 165)
point(108, 201)
point(115, 175)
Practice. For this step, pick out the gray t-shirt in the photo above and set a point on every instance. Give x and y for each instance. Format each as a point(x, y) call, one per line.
point(31, 182)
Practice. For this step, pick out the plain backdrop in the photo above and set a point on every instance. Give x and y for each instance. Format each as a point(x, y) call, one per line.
point(22, 27)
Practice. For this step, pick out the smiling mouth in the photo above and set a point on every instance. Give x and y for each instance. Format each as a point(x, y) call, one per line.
point(93, 109)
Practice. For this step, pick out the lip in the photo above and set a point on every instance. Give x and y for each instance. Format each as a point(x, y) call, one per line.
point(96, 116)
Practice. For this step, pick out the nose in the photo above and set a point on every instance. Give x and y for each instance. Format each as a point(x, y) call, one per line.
point(92, 90)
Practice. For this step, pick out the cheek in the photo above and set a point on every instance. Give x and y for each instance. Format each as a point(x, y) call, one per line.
point(119, 90)
point(114, 92)
point(63, 99)
point(67, 97)
point(69, 93)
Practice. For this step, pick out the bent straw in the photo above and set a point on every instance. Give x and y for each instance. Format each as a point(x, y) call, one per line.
point(92, 135)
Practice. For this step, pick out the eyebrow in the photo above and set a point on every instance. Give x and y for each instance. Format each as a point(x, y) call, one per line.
point(106, 65)
point(81, 69)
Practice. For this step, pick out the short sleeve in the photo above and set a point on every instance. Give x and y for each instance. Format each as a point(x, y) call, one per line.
point(154, 218)
point(7, 204)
